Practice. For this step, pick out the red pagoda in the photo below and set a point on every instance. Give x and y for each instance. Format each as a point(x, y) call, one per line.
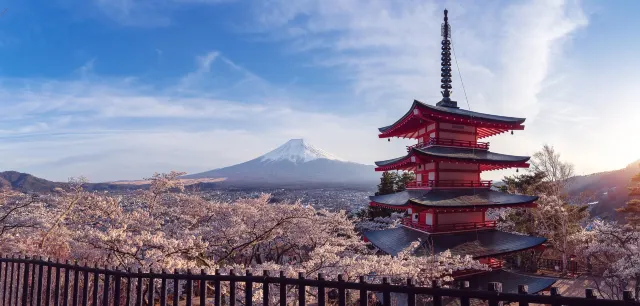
point(448, 201)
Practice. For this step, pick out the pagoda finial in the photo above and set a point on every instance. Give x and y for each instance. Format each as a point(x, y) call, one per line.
point(446, 64)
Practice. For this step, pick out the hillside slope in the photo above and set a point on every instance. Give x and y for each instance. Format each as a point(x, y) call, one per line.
point(296, 161)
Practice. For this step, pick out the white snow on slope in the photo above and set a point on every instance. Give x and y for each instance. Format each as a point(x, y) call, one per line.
point(297, 150)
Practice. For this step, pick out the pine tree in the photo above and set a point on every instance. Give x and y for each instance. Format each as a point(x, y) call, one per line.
point(387, 183)
point(632, 209)
point(402, 180)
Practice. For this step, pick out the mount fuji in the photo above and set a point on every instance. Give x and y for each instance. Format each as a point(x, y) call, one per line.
point(295, 162)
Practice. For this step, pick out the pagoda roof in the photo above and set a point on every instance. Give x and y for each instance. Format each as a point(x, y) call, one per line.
point(509, 280)
point(489, 124)
point(456, 111)
point(478, 244)
point(453, 198)
point(443, 153)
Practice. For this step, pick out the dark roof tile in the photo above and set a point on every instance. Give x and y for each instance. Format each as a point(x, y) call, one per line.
point(481, 243)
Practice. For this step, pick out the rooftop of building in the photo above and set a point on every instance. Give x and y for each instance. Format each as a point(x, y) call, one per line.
point(477, 243)
point(453, 198)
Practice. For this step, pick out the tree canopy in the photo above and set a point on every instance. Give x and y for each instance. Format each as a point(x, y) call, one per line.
point(632, 208)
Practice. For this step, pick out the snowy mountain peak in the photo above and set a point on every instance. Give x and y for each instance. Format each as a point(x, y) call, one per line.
point(297, 150)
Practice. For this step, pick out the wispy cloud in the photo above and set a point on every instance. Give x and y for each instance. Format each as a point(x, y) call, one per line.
point(512, 56)
point(147, 13)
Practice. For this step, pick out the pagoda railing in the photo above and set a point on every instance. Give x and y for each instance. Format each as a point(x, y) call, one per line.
point(454, 227)
point(31, 281)
point(495, 263)
point(448, 184)
point(451, 142)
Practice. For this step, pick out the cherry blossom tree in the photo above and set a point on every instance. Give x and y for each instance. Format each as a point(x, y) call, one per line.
point(21, 216)
point(163, 227)
point(614, 253)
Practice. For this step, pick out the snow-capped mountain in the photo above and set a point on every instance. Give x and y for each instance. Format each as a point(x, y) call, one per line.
point(296, 161)
point(297, 150)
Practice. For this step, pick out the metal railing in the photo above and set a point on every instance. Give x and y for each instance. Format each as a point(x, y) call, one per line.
point(449, 184)
point(556, 265)
point(451, 143)
point(454, 227)
point(36, 282)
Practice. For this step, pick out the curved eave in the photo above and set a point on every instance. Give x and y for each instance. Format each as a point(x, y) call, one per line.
point(484, 243)
point(412, 121)
point(492, 161)
point(395, 163)
point(478, 244)
point(442, 153)
point(474, 116)
point(462, 199)
point(531, 204)
point(509, 280)
point(386, 206)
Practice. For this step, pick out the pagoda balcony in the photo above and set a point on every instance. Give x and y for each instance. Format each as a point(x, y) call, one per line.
point(450, 143)
point(448, 184)
point(454, 227)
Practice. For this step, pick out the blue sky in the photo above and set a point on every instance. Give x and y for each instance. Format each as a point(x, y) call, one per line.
point(120, 89)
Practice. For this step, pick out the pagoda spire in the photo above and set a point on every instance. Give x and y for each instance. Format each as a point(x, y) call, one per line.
point(446, 64)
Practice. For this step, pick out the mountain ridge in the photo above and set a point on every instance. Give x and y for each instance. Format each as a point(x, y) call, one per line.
point(295, 161)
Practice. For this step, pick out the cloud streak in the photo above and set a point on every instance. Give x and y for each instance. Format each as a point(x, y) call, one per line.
point(512, 56)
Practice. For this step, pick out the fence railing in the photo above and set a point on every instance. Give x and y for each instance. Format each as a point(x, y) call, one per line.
point(35, 282)
point(453, 227)
point(449, 184)
point(556, 265)
point(451, 143)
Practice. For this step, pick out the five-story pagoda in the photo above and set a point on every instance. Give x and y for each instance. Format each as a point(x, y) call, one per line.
point(448, 201)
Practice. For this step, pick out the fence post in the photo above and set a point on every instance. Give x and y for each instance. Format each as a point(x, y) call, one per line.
point(216, 287)
point(139, 291)
point(4, 283)
point(524, 290)
point(386, 294)
point(96, 278)
point(189, 289)
point(411, 296)
point(321, 292)
point(127, 300)
point(302, 290)
point(556, 293)
point(176, 287)
point(265, 288)
point(33, 280)
point(497, 288)
point(13, 270)
point(464, 301)
point(18, 276)
point(65, 292)
point(437, 299)
point(106, 287)
point(152, 289)
point(56, 292)
point(203, 288)
point(85, 286)
point(248, 291)
point(342, 298)
point(363, 292)
point(232, 289)
point(163, 289)
point(283, 290)
point(39, 290)
point(116, 289)
point(76, 283)
point(25, 284)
